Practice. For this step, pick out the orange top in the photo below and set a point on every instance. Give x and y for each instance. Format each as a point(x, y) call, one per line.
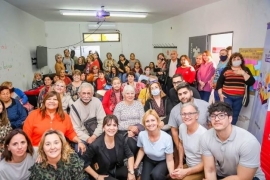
point(34, 126)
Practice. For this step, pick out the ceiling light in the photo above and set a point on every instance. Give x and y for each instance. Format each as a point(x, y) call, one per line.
point(94, 13)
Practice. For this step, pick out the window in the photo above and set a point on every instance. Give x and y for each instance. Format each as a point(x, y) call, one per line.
point(100, 37)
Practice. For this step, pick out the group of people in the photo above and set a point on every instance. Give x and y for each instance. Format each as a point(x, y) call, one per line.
point(141, 127)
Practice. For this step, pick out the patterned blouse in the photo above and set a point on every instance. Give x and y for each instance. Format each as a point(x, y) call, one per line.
point(73, 91)
point(73, 170)
point(4, 130)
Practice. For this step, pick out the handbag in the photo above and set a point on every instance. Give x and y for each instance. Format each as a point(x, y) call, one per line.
point(90, 124)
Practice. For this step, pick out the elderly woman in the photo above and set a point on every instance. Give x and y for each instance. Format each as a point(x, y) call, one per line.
point(18, 156)
point(129, 113)
point(5, 127)
point(112, 145)
point(186, 70)
point(60, 88)
point(112, 96)
point(59, 161)
point(233, 84)
point(37, 80)
point(59, 65)
point(16, 112)
point(72, 88)
point(44, 90)
point(50, 116)
point(160, 103)
point(138, 86)
point(157, 145)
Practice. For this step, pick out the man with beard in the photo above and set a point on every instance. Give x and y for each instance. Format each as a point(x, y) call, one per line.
point(87, 114)
point(185, 95)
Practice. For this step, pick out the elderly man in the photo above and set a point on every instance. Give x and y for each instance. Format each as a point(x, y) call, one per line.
point(87, 114)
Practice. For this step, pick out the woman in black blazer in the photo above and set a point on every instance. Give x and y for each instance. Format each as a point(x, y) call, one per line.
point(104, 158)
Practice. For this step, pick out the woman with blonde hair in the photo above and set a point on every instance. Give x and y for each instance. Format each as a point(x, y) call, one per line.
point(37, 80)
point(60, 88)
point(59, 65)
point(59, 161)
point(159, 102)
point(156, 149)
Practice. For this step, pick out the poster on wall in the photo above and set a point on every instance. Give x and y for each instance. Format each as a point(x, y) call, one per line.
point(260, 120)
point(197, 45)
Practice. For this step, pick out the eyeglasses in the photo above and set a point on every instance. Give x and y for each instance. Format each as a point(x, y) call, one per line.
point(220, 116)
point(188, 114)
point(177, 82)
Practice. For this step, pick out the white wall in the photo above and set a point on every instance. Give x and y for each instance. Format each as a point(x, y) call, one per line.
point(26, 32)
point(246, 18)
point(136, 38)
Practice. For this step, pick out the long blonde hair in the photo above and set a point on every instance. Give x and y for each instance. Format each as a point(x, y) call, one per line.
point(65, 151)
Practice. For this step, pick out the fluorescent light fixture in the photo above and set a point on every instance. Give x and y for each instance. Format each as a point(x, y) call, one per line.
point(112, 13)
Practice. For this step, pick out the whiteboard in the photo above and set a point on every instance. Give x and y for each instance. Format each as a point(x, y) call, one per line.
point(15, 62)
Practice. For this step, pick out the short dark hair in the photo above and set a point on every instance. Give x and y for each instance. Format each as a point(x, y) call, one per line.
point(183, 85)
point(234, 55)
point(220, 107)
point(7, 154)
point(229, 48)
point(100, 72)
point(2, 88)
point(177, 75)
point(131, 73)
point(110, 118)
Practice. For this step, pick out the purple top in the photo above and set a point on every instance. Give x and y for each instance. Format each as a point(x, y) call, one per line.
point(205, 73)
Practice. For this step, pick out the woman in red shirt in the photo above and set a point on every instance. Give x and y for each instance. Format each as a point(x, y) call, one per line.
point(101, 81)
point(186, 70)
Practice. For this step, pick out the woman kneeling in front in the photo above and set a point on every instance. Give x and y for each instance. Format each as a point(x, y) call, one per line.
point(59, 161)
point(157, 145)
point(104, 159)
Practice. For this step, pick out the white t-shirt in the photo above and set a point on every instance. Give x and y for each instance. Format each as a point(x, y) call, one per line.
point(172, 68)
point(191, 144)
point(156, 150)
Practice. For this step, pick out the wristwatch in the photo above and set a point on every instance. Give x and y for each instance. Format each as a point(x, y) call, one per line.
point(131, 172)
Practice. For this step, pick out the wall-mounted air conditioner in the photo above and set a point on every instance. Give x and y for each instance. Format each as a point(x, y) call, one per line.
point(103, 26)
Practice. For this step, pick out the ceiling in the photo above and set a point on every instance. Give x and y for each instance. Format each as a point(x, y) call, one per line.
point(158, 10)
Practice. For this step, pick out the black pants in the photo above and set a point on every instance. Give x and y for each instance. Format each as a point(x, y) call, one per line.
point(168, 86)
point(132, 143)
point(154, 170)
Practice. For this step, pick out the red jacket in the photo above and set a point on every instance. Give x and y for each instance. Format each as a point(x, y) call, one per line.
point(187, 73)
point(108, 105)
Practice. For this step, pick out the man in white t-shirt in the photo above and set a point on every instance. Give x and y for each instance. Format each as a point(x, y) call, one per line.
point(189, 134)
point(171, 67)
point(229, 152)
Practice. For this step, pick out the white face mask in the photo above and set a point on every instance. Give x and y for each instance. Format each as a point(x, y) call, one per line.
point(236, 63)
point(155, 92)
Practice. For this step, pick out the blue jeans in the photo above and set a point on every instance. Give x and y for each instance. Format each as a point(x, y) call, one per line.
point(205, 95)
point(216, 96)
point(236, 103)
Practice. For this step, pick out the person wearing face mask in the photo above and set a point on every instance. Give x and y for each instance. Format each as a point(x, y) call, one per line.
point(87, 110)
point(233, 84)
point(145, 76)
point(186, 70)
point(159, 102)
point(221, 65)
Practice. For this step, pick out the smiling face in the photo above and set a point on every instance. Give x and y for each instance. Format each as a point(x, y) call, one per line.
point(116, 84)
point(62, 73)
point(52, 147)
point(189, 115)
point(184, 95)
point(129, 96)
point(151, 123)
point(110, 128)
point(18, 145)
point(60, 87)
point(132, 56)
point(47, 81)
point(76, 77)
point(95, 56)
point(130, 79)
point(220, 120)
point(113, 70)
point(199, 60)
point(51, 103)
point(86, 94)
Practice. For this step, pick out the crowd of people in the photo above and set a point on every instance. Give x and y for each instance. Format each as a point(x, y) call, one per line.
point(118, 120)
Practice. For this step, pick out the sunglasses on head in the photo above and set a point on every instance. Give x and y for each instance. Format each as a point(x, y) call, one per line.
point(152, 82)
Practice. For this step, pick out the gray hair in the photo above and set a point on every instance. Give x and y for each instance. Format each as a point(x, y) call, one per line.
point(190, 104)
point(57, 56)
point(128, 88)
point(86, 85)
